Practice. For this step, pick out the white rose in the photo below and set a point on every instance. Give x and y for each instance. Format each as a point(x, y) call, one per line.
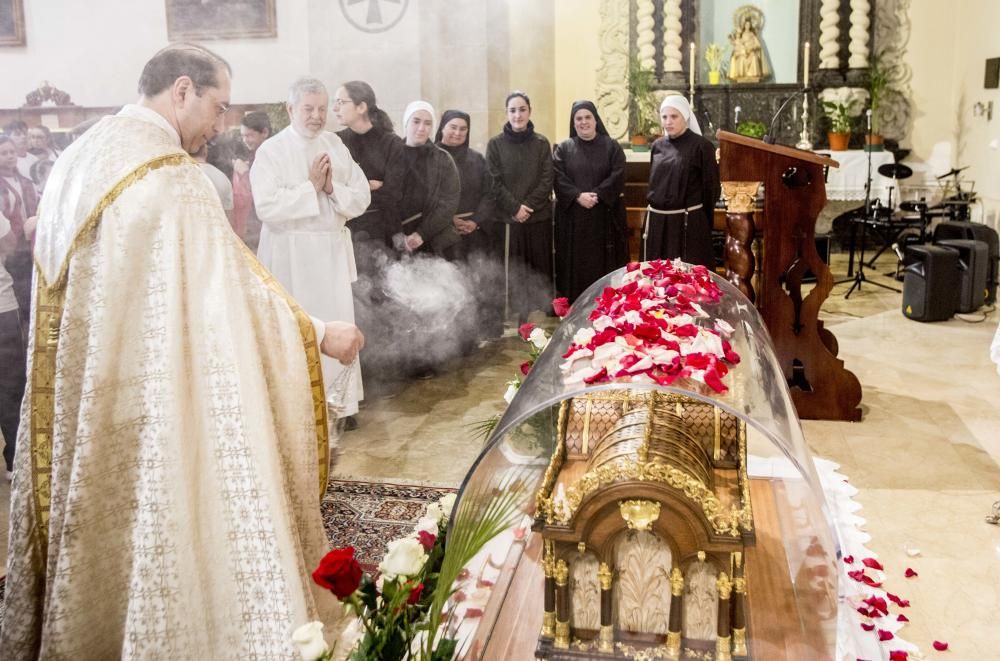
point(428, 523)
point(404, 557)
point(447, 503)
point(538, 338)
point(310, 642)
point(511, 391)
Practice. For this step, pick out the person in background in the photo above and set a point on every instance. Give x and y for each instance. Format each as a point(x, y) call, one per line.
point(12, 352)
point(40, 143)
point(219, 181)
point(305, 189)
point(368, 135)
point(479, 248)
point(683, 189)
point(520, 162)
point(19, 203)
point(18, 133)
point(591, 234)
point(255, 128)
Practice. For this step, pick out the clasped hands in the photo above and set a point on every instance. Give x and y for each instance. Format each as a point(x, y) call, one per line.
point(464, 225)
point(523, 213)
point(587, 200)
point(321, 174)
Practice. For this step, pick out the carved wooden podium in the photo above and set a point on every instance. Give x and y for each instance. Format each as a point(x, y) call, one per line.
point(794, 193)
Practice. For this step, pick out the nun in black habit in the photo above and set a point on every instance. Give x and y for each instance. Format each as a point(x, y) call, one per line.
point(683, 189)
point(591, 235)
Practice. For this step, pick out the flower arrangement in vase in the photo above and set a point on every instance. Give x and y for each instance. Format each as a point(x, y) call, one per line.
point(713, 57)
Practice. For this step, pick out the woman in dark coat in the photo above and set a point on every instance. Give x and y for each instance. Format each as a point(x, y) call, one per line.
point(520, 162)
point(591, 237)
point(683, 189)
point(481, 247)
point(379, 152)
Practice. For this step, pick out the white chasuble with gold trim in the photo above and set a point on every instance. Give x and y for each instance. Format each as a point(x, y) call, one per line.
point(166, 493)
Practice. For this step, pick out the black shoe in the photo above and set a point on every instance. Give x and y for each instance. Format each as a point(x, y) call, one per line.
point(350, 423)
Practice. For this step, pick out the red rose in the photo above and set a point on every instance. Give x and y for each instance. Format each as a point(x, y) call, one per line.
point(525, 367)
point(415, 594)
point(561, 306)
point(339, 572)
point(426, 540)
point(525, 330)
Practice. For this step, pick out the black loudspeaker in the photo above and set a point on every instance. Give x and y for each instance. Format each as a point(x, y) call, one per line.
point(972, 258)
point(931, 283)
point(979, 232)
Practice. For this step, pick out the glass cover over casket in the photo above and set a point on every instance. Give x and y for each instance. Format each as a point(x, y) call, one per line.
point(768, 523)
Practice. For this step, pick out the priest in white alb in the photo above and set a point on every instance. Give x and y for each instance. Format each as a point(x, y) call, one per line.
point(172, 449)
point(305, 188)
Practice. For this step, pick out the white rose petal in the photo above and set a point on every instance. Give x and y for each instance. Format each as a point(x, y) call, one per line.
point(511, 391)
point(607, 351)
point(434, 511)
point(633, 317)
point(602, 322)
point(308, 639)
point(404, 557)
point(538, 338)
point(427, 524)
point(724, 327)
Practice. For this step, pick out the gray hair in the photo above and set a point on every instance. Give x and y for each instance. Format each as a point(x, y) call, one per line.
point(305, 85)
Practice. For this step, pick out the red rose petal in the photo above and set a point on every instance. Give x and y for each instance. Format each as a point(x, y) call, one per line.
point(902, 618)
point(426, 539)
point(561, 306)
point(909, 573)
point(898, 655)
point(873, 564)
point(940, 646)
point(525, 367)
point(867, 627)
point(884, 635)
point(902, 603)
point(525, 331)
point(849, 559)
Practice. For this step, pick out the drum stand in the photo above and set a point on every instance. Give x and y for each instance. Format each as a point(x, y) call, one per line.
point(870, 210)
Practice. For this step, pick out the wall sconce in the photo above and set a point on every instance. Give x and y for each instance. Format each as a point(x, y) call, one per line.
point(979, 109)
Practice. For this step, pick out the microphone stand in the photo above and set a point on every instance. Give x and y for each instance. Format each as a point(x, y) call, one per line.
point(769, 136)
point(859, 277)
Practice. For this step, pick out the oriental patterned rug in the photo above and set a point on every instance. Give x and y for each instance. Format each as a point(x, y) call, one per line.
point(365, 515)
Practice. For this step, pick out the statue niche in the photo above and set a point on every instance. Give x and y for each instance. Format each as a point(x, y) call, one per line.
point(748, 62)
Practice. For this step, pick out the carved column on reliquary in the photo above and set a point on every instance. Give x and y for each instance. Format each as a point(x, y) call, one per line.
point(723, 649)
point(562, 605)
point(549, 607)
point(676, 610)
point(740, 197)
point(606, 637)
point(739, 606)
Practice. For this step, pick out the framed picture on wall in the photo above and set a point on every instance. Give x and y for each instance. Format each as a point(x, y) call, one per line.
point(11, 23)
point(198, 20)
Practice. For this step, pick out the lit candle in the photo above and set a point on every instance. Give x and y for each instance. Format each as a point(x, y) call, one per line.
point(691, 67)
point(805, 67)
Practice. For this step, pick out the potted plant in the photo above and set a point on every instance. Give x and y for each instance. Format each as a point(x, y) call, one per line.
point(713, 57)
point(878, 83)
point(841, 105)
point(644, 120)
point(752, 129)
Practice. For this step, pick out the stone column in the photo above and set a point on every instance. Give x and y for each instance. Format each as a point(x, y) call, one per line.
point(673, 42)
point(723, 646)
point(676, 612)
point(829, 34)
point(644, 36)
point(859, 33)
point(606, 637)
point(740, 197)
point(562, 605)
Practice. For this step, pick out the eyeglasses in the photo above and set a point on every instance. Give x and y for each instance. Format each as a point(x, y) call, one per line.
point(339, 102)
point(221, 109)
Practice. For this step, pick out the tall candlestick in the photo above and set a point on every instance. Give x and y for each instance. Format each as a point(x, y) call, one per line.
point(805, 67)
point(691, 67)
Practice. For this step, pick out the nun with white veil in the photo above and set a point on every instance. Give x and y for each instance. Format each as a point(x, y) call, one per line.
point(683, 189)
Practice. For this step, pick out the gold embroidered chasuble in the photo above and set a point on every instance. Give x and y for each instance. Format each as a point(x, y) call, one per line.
point(165, 502)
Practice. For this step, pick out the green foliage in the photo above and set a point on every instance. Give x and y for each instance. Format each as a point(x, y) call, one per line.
point(644, 118)
point(839, 116)
point(751, 129)
point(481, 429)
point(877, 82)
point(713, 57)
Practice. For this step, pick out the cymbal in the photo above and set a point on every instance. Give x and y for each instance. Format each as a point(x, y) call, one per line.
point(895, 171)
point(952, 172)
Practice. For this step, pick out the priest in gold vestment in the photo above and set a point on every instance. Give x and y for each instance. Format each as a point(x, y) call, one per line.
point(173, 444)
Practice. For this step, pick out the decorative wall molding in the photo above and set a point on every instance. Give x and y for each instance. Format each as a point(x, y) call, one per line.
point(859, 33)
point(612, 77)
point(829, 34)
point(892, 37)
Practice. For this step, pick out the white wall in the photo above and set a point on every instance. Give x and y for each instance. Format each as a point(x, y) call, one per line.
point(78, 48)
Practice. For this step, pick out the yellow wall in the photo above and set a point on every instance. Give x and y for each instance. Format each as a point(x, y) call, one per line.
point(577, 58)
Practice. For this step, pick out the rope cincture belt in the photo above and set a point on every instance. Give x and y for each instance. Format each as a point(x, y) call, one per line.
point(412, 218)
point(660, 212)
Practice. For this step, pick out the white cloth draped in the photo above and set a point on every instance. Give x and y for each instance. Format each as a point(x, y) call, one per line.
point(168, 505)
point(304, 241)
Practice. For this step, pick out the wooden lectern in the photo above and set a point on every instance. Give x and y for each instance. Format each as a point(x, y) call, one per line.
point(794, 194)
